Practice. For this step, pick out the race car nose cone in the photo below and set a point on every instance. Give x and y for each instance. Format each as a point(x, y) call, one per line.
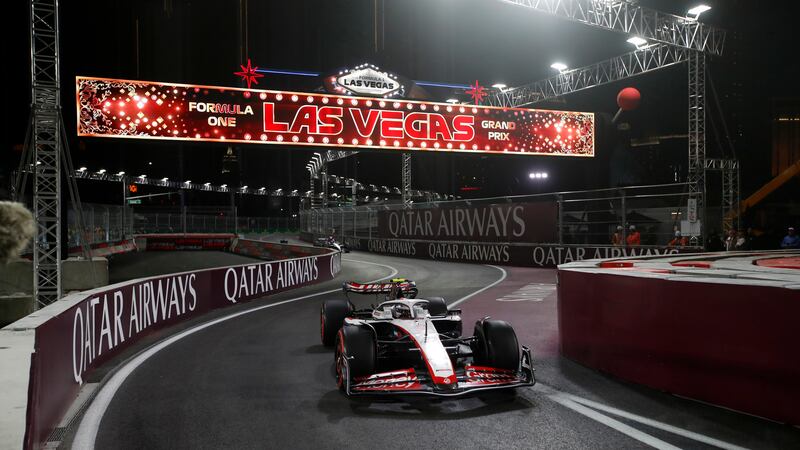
point(446, 383)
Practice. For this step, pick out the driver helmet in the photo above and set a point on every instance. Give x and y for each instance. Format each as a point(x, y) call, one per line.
point(401, 311)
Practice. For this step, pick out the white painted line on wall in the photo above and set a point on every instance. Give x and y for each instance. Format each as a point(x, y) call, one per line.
point(87, 431)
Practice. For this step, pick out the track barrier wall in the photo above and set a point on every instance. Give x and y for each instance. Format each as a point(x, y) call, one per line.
point(72, 337)
point(718, 338)
point(503, 253)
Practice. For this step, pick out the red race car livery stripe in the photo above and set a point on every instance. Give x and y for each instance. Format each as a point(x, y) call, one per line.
point(400, 380)
point(487, 376)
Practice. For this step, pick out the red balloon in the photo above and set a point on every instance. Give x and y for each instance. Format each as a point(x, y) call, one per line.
point(628, 99)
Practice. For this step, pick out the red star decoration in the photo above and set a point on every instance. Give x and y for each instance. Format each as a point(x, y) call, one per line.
point(249, 74)
point(477, 92)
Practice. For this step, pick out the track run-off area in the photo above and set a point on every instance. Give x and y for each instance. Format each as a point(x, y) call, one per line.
point(256, 376)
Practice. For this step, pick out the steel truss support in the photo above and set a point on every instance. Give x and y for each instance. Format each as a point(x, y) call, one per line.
point(697, 129)
point(312, 192)
point(324, 175)
point(730, 190)
point(318, 168)
point(374, 189)
point(628, 18)
point(406, 188)
point(47, 148)
point(329, 156)
point(646, 59)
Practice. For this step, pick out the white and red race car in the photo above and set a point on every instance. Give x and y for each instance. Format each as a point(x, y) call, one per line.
point(414, 346)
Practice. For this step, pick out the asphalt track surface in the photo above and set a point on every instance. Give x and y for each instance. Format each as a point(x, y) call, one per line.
point(263, 380)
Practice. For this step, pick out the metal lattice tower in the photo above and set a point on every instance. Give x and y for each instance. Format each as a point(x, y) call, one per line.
point(697, 128)
point(406, 175)
point(730, 190)
point(47, 145)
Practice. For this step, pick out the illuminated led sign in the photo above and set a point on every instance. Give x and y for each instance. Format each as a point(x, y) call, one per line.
point(151, 110)
point(368, 80)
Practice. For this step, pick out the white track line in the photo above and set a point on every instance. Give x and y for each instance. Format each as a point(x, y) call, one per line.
point(87, 431)
point(653, 423)
point(613, 423)
point(467, 297)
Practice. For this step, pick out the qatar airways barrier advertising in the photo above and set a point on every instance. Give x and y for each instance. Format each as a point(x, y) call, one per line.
point(152, 110)
point(509, 222)
point(107, 321)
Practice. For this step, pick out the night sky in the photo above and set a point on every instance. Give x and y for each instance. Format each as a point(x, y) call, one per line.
point(454, 41)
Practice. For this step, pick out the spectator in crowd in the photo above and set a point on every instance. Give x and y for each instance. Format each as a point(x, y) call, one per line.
point(678, 240)
point(791, 240)
point(730, 241)
point(634, 237)
point(617, 239)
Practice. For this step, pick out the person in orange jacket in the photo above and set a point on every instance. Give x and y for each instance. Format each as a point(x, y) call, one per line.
point(634, 237)
point(678, 240)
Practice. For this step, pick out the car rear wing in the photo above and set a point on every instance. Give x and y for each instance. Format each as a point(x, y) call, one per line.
point(407, 287)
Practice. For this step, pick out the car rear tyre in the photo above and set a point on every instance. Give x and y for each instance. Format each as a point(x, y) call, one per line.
point(437, 306)
point(496, 345)
point(331, 318)
point(357, 343)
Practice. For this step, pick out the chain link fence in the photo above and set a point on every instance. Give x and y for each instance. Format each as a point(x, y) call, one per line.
point(108, 223)
point(584, 217)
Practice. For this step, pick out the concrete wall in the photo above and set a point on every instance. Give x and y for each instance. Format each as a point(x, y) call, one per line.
point(77, 275)
point(16, 284)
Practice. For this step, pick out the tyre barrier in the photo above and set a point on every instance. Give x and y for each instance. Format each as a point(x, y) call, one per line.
point(49, 354)
point(271, 251)
point(106, 249)
point(720, 328)
point(181, 241)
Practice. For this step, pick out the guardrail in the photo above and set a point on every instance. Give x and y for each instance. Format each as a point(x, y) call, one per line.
point(49, 354)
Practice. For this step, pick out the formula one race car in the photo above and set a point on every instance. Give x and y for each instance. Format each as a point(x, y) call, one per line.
point(407, 345)
point(330, 242)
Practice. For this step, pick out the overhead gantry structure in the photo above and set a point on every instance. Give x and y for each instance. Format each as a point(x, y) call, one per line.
point(671, 40)
point(646, 59)
point(628, 18)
